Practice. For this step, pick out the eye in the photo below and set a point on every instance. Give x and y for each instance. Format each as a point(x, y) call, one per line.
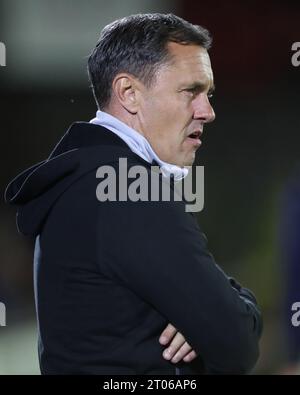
point(192, 92)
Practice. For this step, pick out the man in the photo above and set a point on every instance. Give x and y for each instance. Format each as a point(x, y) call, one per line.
point(129, 287)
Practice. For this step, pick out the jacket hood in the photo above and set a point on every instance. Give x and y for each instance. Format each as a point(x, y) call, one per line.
point(83, 148)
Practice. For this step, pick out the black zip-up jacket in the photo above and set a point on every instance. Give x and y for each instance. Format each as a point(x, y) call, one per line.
point(109, 276)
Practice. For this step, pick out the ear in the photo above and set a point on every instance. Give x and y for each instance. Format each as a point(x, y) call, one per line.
point(126, 91)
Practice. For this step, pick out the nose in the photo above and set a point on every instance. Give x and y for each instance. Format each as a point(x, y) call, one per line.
point(203, 109)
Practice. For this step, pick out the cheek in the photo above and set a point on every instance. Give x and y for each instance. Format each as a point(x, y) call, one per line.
point(168, 119)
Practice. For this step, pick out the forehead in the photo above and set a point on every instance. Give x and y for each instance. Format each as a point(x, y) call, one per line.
point(190, 63)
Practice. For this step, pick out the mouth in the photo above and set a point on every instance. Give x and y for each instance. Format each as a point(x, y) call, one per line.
point(194, 137)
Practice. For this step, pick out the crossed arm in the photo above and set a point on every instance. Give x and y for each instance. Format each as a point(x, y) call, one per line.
point(209, 314)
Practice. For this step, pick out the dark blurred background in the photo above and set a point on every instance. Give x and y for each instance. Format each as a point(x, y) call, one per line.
point(250, 153)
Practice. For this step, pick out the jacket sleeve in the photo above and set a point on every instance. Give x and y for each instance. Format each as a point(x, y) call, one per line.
point(159, 252)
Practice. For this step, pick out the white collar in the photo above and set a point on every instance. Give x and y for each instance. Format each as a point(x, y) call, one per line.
point(138, 144)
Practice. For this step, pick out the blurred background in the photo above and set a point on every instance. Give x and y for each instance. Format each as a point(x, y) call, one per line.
point(250, 153)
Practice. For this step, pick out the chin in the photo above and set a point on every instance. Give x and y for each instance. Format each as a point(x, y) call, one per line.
point(184, 162)
point(189, 162)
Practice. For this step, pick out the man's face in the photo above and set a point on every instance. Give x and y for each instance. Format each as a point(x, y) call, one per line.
point(177, 105)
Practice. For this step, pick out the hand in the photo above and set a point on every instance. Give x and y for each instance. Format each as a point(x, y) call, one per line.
point(178, 349)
